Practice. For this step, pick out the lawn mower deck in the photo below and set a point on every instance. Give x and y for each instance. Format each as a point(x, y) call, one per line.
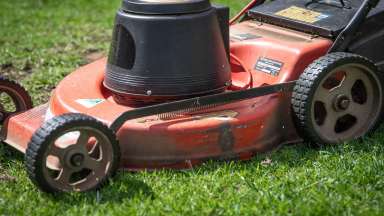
point(116, 113)
point(235, 130)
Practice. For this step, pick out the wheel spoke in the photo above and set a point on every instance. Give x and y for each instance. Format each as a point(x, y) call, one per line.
point(92, 164)
point(57, 151)
point(83, 138)
point(358, 111)
point(368, 85)
point(65, 176)
point(350, 79)
point(324, 95)
point(328, 127)
point(82, 142)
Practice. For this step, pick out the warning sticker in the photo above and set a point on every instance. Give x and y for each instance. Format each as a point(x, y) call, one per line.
point(301, 14)
point(89, 103)
point(269, 66)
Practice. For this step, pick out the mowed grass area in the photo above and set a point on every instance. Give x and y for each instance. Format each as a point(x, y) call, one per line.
point(41, 41)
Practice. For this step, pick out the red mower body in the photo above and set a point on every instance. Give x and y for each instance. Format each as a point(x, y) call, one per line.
point(261, 55)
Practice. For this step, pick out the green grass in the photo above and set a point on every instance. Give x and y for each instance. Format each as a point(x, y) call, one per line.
point(42, 41)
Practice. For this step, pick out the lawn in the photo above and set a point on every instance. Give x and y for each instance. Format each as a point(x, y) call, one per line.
point(41, 41)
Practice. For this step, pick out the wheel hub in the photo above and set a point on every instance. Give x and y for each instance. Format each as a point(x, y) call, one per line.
point(74, 159)
point(341, 103)
point(77, 160)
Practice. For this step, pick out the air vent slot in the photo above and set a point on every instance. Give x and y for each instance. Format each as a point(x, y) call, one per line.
point(123, 49)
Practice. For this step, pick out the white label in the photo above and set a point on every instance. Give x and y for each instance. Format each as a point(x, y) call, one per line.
point(89, 103)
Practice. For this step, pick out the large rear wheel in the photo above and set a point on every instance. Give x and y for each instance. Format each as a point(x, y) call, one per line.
point(338, 98)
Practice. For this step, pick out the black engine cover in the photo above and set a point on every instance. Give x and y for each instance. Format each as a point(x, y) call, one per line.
point(162, 50)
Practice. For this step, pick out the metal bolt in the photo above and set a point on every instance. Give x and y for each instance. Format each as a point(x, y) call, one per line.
point(149, 92)
point(341, 103)
point(344, 104)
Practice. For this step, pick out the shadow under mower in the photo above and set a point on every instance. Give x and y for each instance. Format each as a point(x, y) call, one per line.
point(184, 84)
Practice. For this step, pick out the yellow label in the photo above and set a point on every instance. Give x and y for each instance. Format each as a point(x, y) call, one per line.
point(302, 14)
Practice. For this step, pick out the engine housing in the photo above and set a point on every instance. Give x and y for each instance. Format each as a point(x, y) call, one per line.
point(167, 50)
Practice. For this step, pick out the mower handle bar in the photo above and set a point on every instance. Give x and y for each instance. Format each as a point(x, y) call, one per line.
point(346, 36)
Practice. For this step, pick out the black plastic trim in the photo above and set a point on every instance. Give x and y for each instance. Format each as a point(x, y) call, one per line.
point(162, 7)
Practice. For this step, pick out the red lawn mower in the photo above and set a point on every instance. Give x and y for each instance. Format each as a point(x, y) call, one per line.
point(184, 84)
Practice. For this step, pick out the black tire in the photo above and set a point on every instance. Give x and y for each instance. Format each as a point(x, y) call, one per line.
point(308, 84)
point(21, 99)
point(52, 129)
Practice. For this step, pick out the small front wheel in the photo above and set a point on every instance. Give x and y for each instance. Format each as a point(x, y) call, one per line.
point(72, 153)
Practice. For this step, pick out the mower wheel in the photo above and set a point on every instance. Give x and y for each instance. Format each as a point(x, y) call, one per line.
point(338, 98)
point(13, 99)
point(72, 153)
